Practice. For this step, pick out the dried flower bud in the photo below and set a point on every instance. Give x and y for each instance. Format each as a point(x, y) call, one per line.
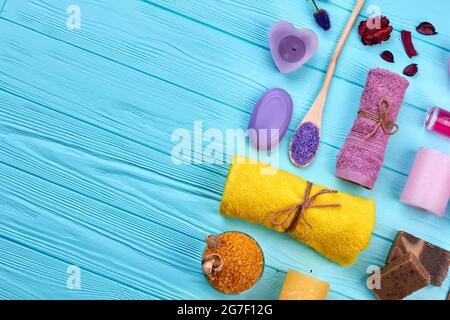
point(213, 241)
point(321, 16)
point(375, 30)
point(323, 19)
point(211, 265)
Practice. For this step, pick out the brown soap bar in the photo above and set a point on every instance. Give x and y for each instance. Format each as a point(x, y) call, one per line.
point(436, 260)
point(402, 277)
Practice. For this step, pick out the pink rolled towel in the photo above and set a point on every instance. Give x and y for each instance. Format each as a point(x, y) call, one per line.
point(362, 155)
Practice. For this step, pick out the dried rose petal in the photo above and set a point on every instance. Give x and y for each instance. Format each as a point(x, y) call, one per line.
point(407, 43)
point(426, 28)
point(387, 56)
point(411, 70)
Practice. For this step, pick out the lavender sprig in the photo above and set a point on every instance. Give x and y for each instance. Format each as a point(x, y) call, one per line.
point(322, 18)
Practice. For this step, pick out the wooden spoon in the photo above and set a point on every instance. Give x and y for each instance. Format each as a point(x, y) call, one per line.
point(305, 142)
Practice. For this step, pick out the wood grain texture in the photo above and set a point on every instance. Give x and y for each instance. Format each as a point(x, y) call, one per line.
point(86, 118)
point(2, 5)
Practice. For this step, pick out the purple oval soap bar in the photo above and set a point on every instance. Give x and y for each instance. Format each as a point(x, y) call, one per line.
point(270, 119)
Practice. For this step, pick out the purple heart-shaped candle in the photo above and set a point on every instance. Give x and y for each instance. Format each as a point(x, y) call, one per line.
point(291, 47)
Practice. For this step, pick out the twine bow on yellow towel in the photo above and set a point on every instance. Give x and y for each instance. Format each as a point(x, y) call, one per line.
point(382, 118)
point(298, 210)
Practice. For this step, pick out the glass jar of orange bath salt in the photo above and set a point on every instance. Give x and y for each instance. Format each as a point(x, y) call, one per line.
point(233, 262)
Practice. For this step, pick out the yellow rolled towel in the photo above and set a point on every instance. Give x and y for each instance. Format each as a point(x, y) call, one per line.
point(336, 224)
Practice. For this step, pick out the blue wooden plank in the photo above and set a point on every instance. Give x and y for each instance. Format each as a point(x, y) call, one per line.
point(356, 58)
point(26, 272)
point(238, 64)
point(79, 102)
point(112, 169)
point(2, 5)
point(102, 196)
point(408, 149)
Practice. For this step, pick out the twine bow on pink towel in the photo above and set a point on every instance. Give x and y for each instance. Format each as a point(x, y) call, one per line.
point(382, 118)
point(298, 210)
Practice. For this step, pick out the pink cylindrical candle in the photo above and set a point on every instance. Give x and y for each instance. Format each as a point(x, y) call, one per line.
point(428, 185)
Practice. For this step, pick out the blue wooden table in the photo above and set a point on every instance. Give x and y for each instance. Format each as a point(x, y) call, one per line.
point(87, 115)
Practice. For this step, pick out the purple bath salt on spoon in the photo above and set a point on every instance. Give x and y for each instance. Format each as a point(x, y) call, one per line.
point(305, 142)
